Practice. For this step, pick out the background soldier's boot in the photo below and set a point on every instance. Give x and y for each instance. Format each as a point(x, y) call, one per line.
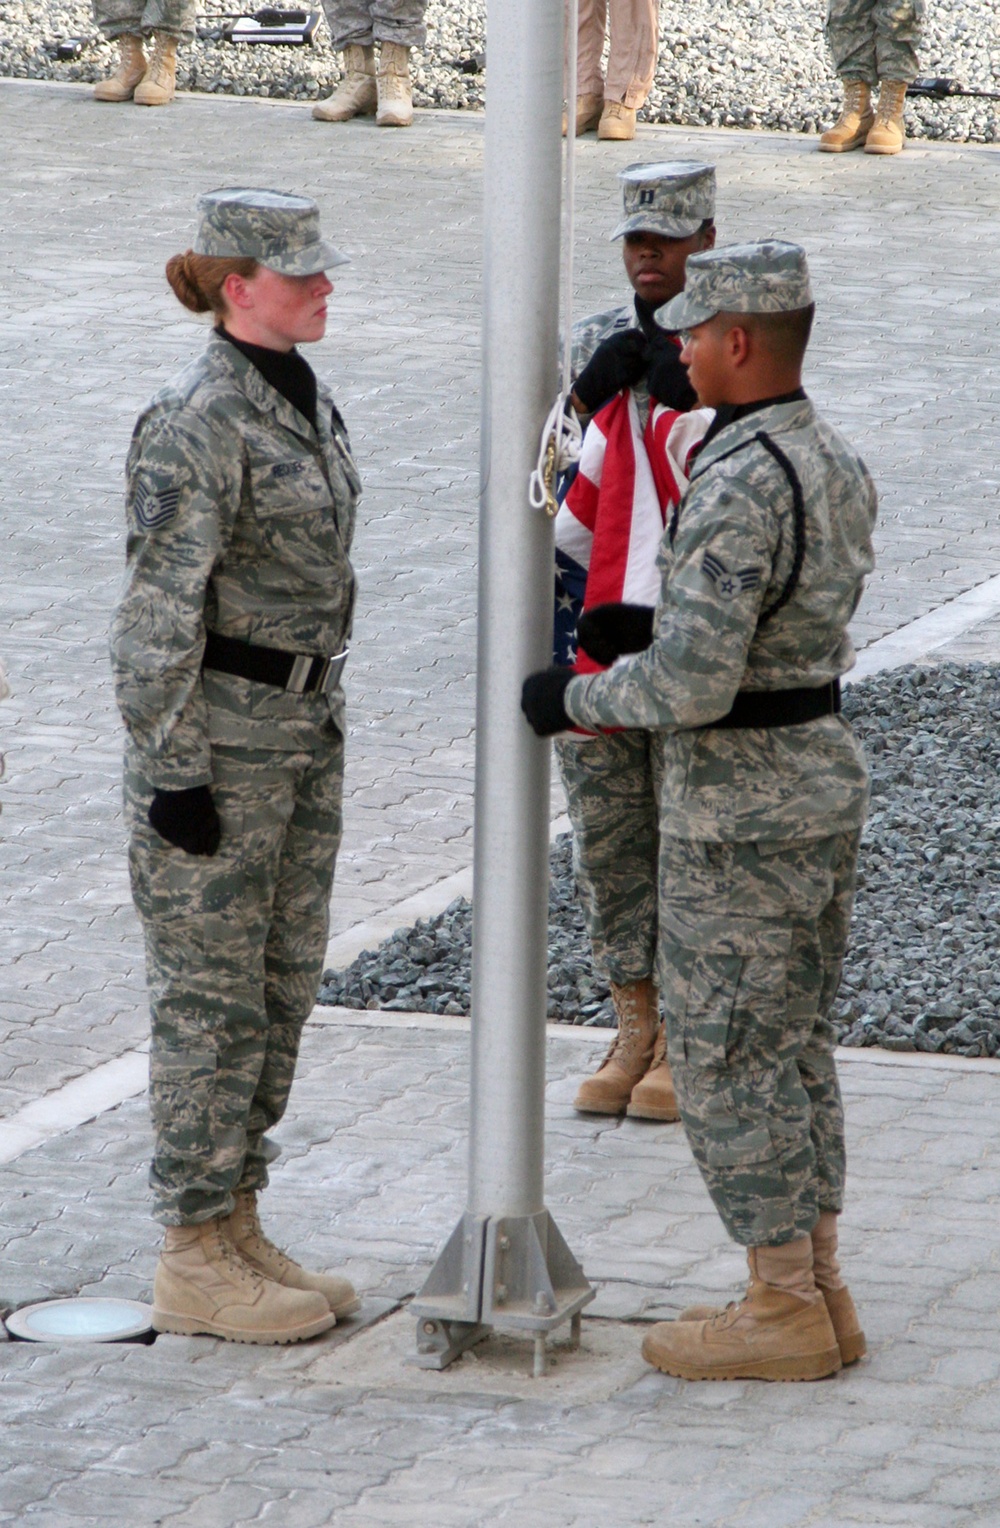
point(588, 113)
point(243, 1229)
point(203, 1286)
point(826, 1272)
point(631, 1052)
point(395, 103)
point(855, 122)
point(156, 87)
point(780, 1330)
point(120, 86)
point(888, 133)
point(355, 96)
point(653, 1096)
point(617, 122)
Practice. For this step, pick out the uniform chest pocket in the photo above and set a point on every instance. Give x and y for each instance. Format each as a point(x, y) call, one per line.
point(288, 488)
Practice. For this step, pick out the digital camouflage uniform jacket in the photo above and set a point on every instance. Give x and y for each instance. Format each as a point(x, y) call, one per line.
point(718, 629)
point(240, 520)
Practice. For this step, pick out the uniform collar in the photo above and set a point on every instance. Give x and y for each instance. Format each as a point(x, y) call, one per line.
point(256, 387)
point(736, 423)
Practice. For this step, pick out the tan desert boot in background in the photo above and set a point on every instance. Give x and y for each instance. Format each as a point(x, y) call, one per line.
point(244, 1230)
point(653, 1096)
point(203, 1287)
point(888, 133)
point(855, 122)
point(617, 122)
point(631, 1052)
point(588, 113)
point(157, 86)
point(395, 99)
point(355, 96)
point(120, 86)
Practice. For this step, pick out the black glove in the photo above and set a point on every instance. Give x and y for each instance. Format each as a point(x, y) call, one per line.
point(608, 631)
point(542, 701)
point(618, 362)
point(667, 379)
point(187, 819)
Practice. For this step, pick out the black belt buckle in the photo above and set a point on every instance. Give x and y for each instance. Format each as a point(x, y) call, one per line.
point(309, 675)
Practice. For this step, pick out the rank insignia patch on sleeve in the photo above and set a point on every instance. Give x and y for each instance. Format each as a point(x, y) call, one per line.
point(155, 509)
point(728, 584)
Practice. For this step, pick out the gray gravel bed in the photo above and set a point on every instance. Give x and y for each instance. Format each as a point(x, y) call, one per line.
point(723, 63)
point(921, 973)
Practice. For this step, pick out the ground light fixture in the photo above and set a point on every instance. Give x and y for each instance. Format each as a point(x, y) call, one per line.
point(82, 1319)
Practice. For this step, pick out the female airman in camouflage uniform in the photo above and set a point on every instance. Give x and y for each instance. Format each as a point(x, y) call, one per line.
point(227, 646)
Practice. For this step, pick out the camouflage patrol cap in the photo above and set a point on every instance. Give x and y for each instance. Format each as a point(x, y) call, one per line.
point(769, 277)
point(672, 199)
point(276, 228)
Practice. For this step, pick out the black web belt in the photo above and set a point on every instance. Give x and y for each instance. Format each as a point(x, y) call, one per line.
point(781, 708)
point(299, 673)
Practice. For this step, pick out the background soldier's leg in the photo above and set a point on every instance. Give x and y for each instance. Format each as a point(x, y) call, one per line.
point(116, 18)
point(612, 806)
point(178, 18)
point(850, 36)
point(897, 28)
point(743, 972)
point(297, 938)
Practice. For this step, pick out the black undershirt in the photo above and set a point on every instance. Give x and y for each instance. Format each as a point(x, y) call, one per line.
point(286, 371)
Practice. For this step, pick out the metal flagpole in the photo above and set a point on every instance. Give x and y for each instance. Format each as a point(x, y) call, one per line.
point(506, 1265)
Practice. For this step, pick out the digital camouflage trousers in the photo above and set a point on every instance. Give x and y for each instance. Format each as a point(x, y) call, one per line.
point(234, 954)
point(611, 784)
point(140, 17)
point(752, 941)
point(874, 39)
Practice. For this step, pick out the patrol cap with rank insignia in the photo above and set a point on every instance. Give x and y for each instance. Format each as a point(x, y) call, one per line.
point(672, 199)
point(769, 277)
point(276, 228)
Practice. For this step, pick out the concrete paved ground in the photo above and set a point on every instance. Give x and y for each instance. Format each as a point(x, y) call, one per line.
point(905, 359)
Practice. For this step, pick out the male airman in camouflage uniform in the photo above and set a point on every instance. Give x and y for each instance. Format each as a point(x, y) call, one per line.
point(610, 780)
point(872, 42)
point(238, 590)
point(763, 796)
point(146, 81)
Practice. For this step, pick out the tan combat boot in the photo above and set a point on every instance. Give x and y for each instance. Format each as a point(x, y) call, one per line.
point(588, 113)
point(631, 1052)
point(826, 1272)
point(243, 1229)
point(653, 1096)
point(888, 133)
point(203, 1286)
point(156, 87)
point(617, 122)
point(355, 95)
point(395, 103)
point(120, 86)
point(780, 1330)
point(855, 121)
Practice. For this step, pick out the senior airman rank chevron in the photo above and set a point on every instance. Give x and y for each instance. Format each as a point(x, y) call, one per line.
point(609, 527)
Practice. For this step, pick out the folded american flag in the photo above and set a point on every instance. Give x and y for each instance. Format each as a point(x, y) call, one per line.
point(611, 521)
